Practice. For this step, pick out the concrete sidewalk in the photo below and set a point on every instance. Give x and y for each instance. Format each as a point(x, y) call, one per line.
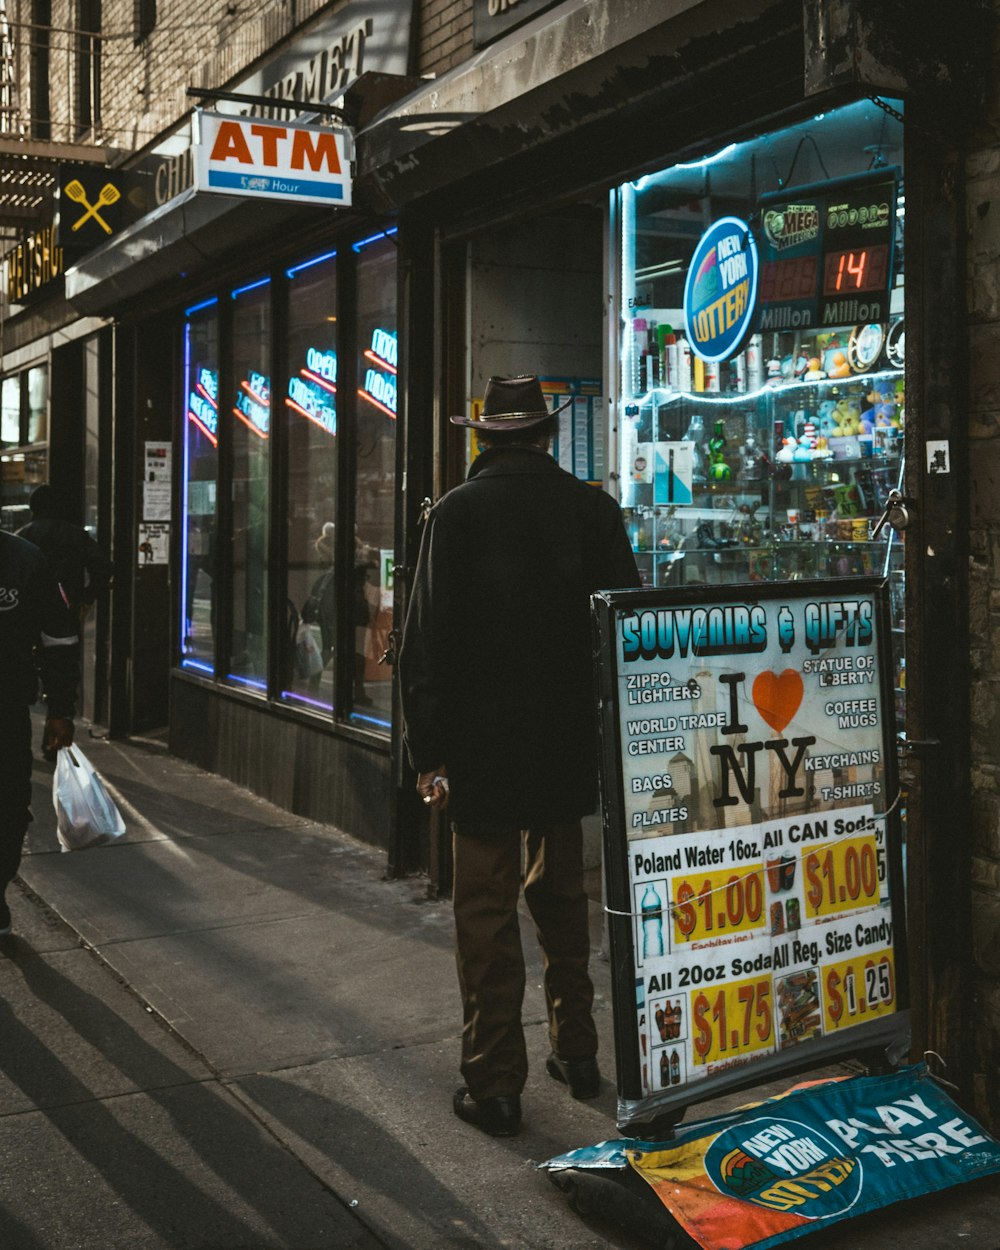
point(231, 1031)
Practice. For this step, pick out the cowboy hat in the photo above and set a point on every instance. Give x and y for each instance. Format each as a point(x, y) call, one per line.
point(512, 404)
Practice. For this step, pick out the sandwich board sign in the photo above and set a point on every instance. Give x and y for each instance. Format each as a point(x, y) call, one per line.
point(753, 862)
point(248, 156)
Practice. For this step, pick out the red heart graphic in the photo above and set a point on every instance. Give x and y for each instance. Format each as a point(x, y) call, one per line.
point(777, 697)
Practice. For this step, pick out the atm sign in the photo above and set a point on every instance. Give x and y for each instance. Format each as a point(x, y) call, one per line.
point(246, 156)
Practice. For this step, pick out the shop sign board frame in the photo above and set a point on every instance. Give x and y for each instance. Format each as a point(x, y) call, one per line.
point(257, 159)
point(753, 860)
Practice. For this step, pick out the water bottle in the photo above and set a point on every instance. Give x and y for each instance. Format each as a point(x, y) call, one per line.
point(652, 924)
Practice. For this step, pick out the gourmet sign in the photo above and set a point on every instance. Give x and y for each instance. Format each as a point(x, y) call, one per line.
point(749, 793)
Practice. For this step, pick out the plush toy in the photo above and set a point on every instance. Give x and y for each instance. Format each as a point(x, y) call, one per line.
point(774, 372)
point(814, 370)
point(837, 365)
point(885, 412)
point(849, 416)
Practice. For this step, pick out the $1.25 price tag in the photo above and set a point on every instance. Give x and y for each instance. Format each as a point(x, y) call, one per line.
point(730, 1020)
point(858, 989)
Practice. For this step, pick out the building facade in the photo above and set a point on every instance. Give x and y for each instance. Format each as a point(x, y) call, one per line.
point(258, 390)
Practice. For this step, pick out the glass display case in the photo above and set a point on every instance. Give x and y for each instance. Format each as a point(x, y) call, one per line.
point(761, 394)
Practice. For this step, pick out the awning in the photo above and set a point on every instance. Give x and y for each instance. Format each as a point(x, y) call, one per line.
point(176, 244)
point(578, 65)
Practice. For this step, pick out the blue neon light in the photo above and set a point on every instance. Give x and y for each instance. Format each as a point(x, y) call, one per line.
point(242, 290)
point(251, 682)
point(184, 502)
point(308, 264)
point(372, 720)
point(207, 303)
point(374, 238)
point(199, 665)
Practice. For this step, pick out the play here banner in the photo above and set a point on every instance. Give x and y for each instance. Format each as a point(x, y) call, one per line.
point(820, 1154)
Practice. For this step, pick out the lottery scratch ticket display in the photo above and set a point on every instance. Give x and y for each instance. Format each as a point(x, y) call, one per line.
point(752, 852)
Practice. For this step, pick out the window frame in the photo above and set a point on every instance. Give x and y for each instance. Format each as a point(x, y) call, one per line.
point(340, 717)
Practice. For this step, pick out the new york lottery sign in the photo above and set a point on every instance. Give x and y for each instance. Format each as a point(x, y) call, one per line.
point(272, 160)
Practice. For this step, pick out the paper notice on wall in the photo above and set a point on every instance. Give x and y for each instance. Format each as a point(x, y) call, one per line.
point(154, 545)
point(157, 478)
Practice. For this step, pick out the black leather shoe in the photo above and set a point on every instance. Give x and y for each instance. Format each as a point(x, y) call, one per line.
point(583, 1076)
point(500, 1117)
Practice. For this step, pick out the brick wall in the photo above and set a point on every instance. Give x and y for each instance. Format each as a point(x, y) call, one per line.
point(209, 44)
point(983, 296)
point(143, 87)
point(444, 35)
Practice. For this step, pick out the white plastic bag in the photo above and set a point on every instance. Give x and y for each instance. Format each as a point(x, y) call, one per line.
point(308, 657)
point(86, 814)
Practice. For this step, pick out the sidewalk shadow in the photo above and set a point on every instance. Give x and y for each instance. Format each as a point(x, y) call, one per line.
point(362, 1147)
point(230, 1145)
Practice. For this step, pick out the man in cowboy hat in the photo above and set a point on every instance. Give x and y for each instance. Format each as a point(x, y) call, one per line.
point(498, 704)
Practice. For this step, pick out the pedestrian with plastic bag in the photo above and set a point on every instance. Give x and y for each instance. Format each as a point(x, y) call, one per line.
point(38, 640)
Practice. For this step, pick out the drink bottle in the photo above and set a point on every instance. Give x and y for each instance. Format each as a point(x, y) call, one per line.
point(652, 924)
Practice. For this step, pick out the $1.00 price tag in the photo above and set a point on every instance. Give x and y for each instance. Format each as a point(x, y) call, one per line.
point(841, 877)
point(718, 902)
point(730, 1020)
point(858, 989)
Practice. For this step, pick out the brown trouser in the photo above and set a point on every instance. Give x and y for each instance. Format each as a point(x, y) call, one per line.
point(491, 975)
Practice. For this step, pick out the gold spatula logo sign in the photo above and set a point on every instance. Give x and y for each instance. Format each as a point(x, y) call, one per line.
point(107, 196)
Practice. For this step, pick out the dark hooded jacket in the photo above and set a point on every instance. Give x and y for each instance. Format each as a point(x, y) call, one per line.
point(496, 667)
point(37, 635)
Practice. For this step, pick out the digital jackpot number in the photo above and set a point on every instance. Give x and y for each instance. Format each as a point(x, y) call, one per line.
point(858, 989)
point(732, 1020)
point(711, 903)
point(841, 877)
point(851, 270)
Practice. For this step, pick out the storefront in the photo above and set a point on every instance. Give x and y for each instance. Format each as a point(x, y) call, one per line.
point(55, 405)
point(287, 500)
point(562, 205)
point(255, 447)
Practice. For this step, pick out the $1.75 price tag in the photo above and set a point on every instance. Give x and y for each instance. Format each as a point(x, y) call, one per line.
point(730, 1020)
point(858, 989)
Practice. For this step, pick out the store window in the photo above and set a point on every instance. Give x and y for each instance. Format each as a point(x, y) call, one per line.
point(24, 431)
point(250, 417)
point(375, 478)
point(200, 451)
point(38, 404)
point(10, 411)
point(310, 416)
point(762, 357)
point(310, 630)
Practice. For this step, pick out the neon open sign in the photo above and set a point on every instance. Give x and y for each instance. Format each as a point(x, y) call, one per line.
point(380, 382)
point(253, 404)
point(203, 407)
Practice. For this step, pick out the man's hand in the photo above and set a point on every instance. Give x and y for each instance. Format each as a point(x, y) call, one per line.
point(58, 733)
point(433, 787)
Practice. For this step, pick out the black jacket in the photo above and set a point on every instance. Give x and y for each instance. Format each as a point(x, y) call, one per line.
point(496, 667)
point(37, 634)
point(77, 562)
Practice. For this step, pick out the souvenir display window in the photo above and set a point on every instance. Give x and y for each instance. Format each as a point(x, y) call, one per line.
point(762, 357)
